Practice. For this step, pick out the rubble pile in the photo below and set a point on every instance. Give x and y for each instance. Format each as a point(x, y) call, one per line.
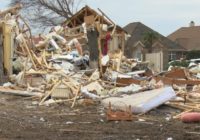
point(55, 68)
point(58, 67)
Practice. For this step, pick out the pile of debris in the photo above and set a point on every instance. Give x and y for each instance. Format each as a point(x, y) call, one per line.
point(72, 63)
point(66, 64)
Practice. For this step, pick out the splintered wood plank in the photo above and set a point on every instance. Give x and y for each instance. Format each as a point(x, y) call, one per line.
point(29, 53)
point(176, 73)
point(49, 93)
point(78, 90)
point(171, 81)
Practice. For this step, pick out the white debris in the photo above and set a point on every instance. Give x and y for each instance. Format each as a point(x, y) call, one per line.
point(89, 95)
point(141, 102)
point(129, 89)
point(105, 60)
point(42, 119)
point(7, 84)
point(94, 87)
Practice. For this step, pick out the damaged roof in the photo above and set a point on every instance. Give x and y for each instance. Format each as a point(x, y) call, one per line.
point(78, 18)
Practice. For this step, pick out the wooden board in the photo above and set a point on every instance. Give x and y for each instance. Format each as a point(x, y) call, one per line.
point(89, 19)
point(176, 73)
point(19, 92)
point(127, 81)
point(171, 81)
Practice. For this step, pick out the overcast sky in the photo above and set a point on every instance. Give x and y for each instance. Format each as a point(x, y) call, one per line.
point(4, 3)
point(164, 16)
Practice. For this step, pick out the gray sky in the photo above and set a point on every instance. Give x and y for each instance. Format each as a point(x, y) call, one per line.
point(4, 3)
point(164, 16)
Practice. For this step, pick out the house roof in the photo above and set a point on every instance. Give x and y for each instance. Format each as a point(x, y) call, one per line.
point(137, 31)
point(78, 18)
point(188, 37)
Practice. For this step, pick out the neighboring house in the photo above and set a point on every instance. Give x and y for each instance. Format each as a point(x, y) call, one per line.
point(135, 48)
point(161, 52)
point(188, 37)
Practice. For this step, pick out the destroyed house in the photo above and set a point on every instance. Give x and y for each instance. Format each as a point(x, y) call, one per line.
point(79, 18)
point(112, 36)
point(50, 74)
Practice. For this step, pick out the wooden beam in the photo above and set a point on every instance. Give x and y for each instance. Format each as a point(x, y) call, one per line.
point(127, 81)
point(78, 90)
point(49, 93)
point(99, 48)
point(86, 13)
point(106, 16)
point(29, 29)
point(75, 23)
point(123, 43)
point(19, 92)
point(96, 17)
point(29, 53)
point(176, 73)
point(171, 81)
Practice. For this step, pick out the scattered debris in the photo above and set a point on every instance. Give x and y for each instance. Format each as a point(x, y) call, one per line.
point(118, 115)
point(82, 61)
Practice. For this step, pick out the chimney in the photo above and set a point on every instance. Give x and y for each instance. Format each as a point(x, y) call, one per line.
point(192, 24)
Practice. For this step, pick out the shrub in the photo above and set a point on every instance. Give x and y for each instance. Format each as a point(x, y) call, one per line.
point(194, 54)
point(183, 63)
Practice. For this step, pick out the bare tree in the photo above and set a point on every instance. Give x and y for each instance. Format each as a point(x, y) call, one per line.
point(47, 13)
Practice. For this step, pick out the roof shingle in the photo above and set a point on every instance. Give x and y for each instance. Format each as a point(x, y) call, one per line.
point(188, 37)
